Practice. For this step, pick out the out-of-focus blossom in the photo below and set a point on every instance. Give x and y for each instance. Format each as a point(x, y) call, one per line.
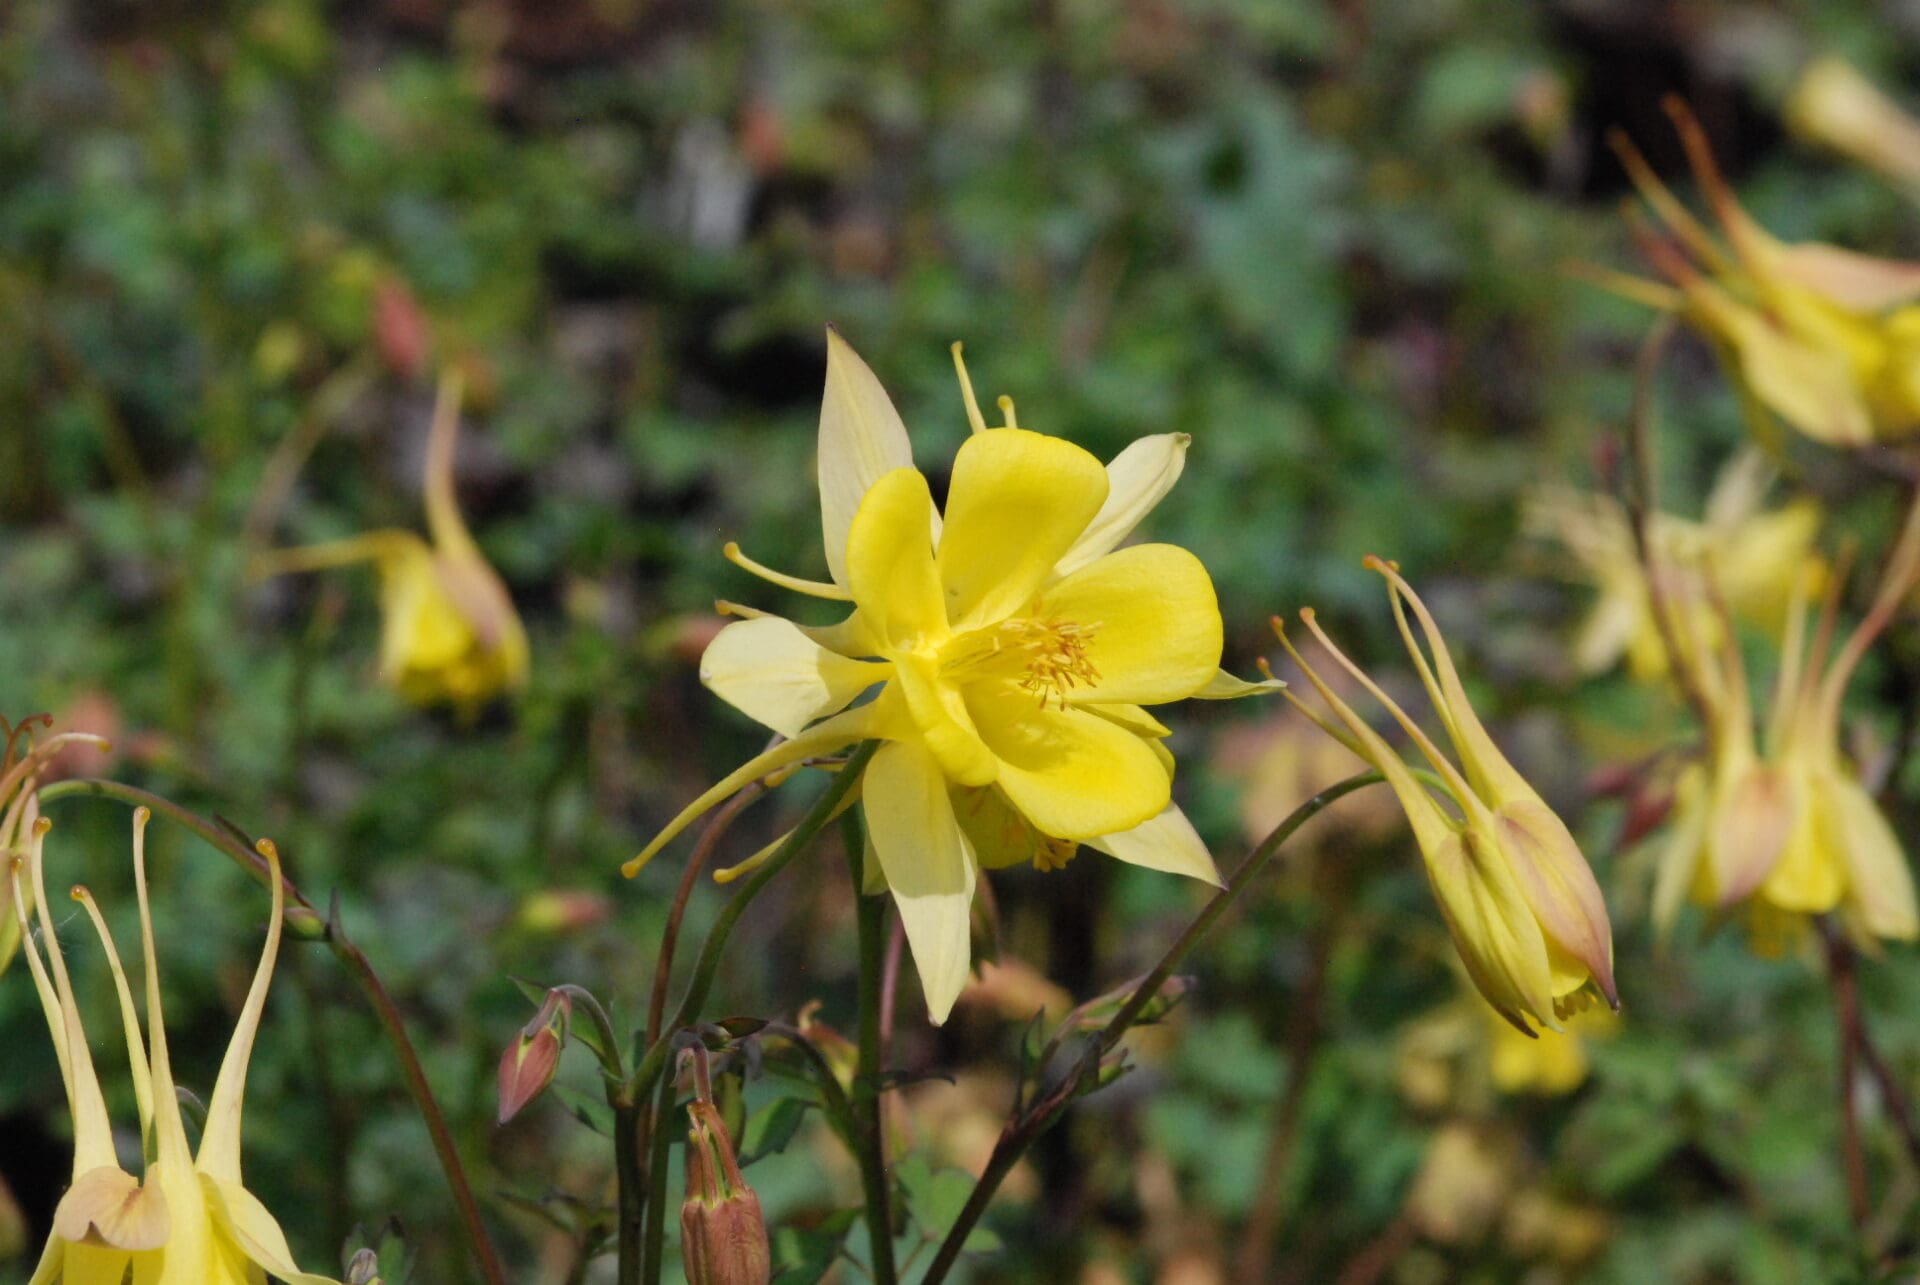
point(1793, 831)
point(449, 632)
point(1279, 763)
point(1824, 338)
point(1521, 903)
point(1014, 651)
point(1452, 1057)
point(1464, 1182)
point(1758, 555)
point(1833, 105)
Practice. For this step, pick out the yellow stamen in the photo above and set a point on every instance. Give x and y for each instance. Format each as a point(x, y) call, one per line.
point(1006, 409)
point(1046, 657)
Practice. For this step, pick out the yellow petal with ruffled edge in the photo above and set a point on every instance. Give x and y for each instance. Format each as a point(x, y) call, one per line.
point(1153, 621)
point(1017, 503)
point(929, 865)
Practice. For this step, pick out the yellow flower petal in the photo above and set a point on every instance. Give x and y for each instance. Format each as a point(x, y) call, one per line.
point(1017, 502)
point(1153, 620)
point(773, 673)
point(1166, 842)
point(108, 1206)
point(1493, 928)
point(1138, 478)
point(890, 564)
point(1810, 875)
point(861, 441)
point(942, 721)
point(240, 1217)
point(219, 1154)
point(1225, 687)
point(1561, 890)
point(1074, 774)
point(1880, 892)
point(929, 866)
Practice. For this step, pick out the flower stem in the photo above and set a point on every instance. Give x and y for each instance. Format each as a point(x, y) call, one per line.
point(632, 1188)
point(1857, 1042)
point(869, 1141)
point(655, 1058)
point(637, 1174)
point(1035, 1119)
point(301, 916)
point(629, 1097)
point(656, 1239)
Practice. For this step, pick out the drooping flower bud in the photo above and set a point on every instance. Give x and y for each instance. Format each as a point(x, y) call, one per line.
point(527, 1066)
point(1518, 897)
point(723, 1234)
point(1834, 105)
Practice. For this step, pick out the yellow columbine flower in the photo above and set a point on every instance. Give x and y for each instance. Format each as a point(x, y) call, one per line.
point(449, 633)
point(1759, 555)
point(1794, 833)
point(190, 1221)
point(1524, 910)
point(1013, 649)
point(1825, 338)
point(1834, 105)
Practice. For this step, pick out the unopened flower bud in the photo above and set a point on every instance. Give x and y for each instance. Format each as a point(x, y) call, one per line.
point(722, 1231)
point(363, 1268)
point(527, 1067)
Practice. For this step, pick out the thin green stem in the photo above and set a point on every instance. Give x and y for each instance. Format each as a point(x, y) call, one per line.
point(656, 1237)
point(636, 1174)
point(631, 1187)
point(1020, 1132)
point(301, 916)
point(869, 1139)
point(602, 1023)
point(655, 1058)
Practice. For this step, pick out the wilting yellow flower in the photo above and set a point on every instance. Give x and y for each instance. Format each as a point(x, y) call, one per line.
point(1523, 907)
point(1758, 556)
point(1013, 649)
point(21, 764)
point(1834, 105)
point(190, 1220)
point(1825, 338)
point(1793, 833)
point(449, 633)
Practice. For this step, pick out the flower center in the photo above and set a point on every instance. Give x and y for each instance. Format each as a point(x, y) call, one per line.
point(1046, 657)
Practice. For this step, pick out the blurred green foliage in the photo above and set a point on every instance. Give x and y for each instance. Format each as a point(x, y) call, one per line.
point(1324, 238)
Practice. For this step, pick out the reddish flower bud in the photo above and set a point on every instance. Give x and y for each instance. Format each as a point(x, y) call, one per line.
point(723, 1234)
point(527, 1067)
